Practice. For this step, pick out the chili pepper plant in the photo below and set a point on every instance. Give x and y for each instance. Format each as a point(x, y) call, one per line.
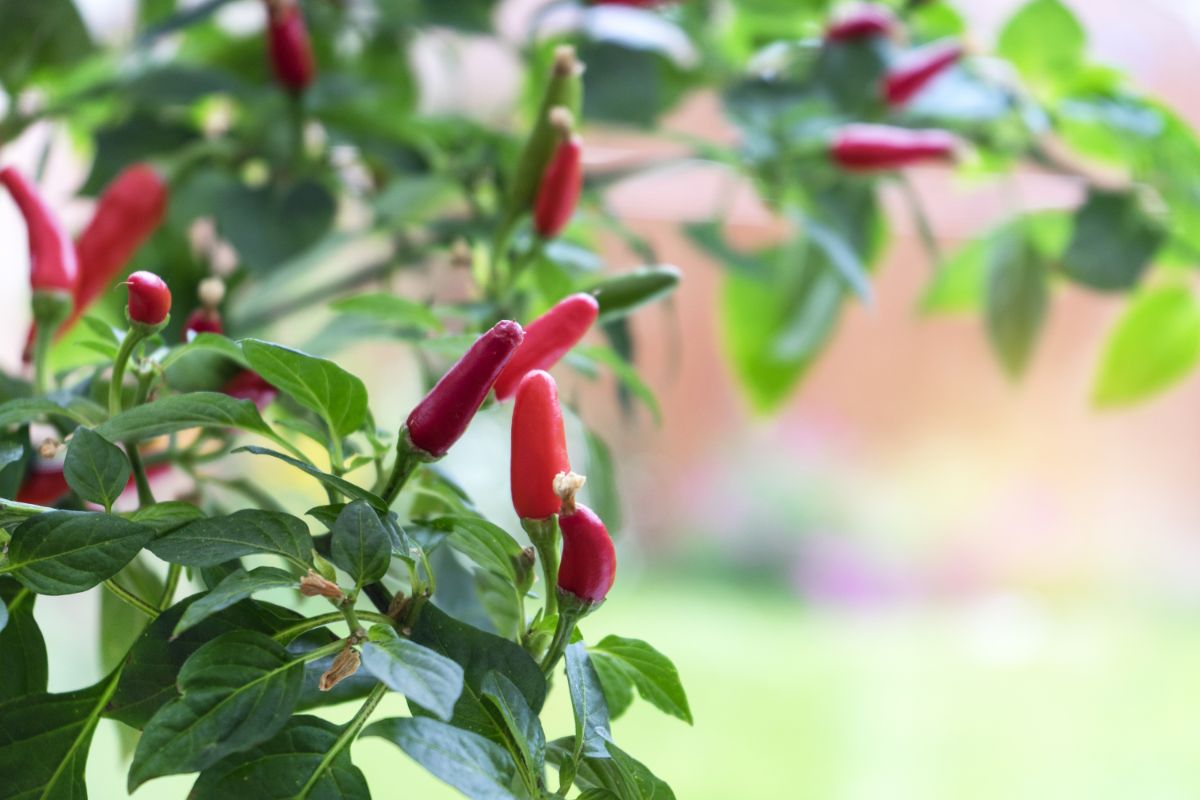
point(270, 193)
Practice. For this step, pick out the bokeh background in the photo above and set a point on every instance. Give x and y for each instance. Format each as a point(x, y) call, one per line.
point(919, 580)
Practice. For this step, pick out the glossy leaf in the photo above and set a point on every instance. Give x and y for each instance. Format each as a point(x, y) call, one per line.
point(587, 701)
point(181, 412)
point(619, 774)
point(653, 674)
point(427, 678)
point(359, 543)
point(63, 552)
point(477, 767)
point(215, 540)
point(23, 662)
point(167, 515)
point(236, 586)
point(29, 409)
point(1155, 344)
point(485, 543)
point(95, 468)
point(315, 383)
point(524, 728)
point(616, 683)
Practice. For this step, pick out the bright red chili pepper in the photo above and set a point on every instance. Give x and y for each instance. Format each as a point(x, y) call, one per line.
point(539, 447)
point(865, 148)
point(52, 263)
point(149, 298)
point(903, 82)
point(589, 562)
point(249, 385)
point(547, 339)
point(43, 487)
point(289, 45)
point(442, 416)
point(559, 190)
point(861, 23)
point(202, 320)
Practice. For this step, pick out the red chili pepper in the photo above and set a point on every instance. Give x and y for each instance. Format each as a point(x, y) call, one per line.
point(903, 82)
point(202, 320)
point(289, 45)
point(52, 262)
point(559, 190)
point(149, 298)
point(442, 416)
point(539, 447)
point(547, 339)
point(861, 23)
point(249, 385)
point(865, 148)
point(43, 487)
point(589, 562)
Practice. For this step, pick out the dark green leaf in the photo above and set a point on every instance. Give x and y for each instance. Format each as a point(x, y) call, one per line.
point(23, 663)
point(485, 543)
point(180, 412)
point(237, 586)
point(620, 774)
point(1155, 343)
point(307, 759)
point(587, 700)
point(237, 691)
point(11, 453)
point(63, 552)
point(212, 541)
point(95, 468)
point(655, 676)
point(431, 680)
point(1017, 296)
point(1113, 242)
point(167, 515)
point(332, 481)
point(480, 769)
point(359, 543)
point(315, 383)
point(29, 409)
point(35, 36)
point(524, 727)
point(270, 224)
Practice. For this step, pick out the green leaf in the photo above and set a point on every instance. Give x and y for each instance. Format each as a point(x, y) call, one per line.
point(206, 343)
point(29, 409)
point(480, 769)
point(332, 481)
point(307, 759)
point(390, 308)
point(960, 282)
point(315, 383)
point(624, 372)
point(621, 295)
point(64, 552)
point(616, 683)
point(44, 742)
point(236, 586)
point(620, 774)
point(237, 691)
point(269, 224)
point(95, 468)
point(38, 36)
point(653, 674)
point(485, 543)
point(479, 653)
point(167, 515)
point(1017, 296)
point(11, 453)
point(524, 727)
point(1113, 242)
point(587, 700)
point(841, 256)
point(181, 412)
point(1155, 344)
point(23, 662)
point(431, 680)
point(359, 544)
point(214, 540)
point(1045, 43)
point(14, 513)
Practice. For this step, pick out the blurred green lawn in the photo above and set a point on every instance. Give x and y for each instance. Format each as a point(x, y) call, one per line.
point(999, 700)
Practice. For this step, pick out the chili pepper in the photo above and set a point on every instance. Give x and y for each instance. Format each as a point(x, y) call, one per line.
point(560, 188)
point(865, 148)
point(863, 22)
point(589, 562)
point(547, 339)
point(289, 45)
point(43, 487)
point(149, 298)
point(52, 263)
point(903, 82)
point(442, 416)
point(249, 385)
point(539, 447)
point(202, 320)
point(618, 295)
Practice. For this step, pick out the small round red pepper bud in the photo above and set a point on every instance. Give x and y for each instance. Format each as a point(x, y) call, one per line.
point(539, 447)
point(442, 416)
point(589, 561)
point(43, 487)
point(560, 187)
point(547, 339)
point(867, 148)
point(149, 298)
point(202, 320)
point(862, 22)
point(289, 46)
point(249, 385)
point(52, 262)
point(903, 82)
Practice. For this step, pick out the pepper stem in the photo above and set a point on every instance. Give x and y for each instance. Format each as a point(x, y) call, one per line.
point(408, 458)
point(543, 533)
point(50, 310)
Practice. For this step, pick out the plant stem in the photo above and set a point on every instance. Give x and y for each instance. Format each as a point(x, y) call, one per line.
point(303, 626)
point(406, 463)
point(131, 598)
point(41, 350)
point(345, 738)
point(132, 339)
point(562, 637)
point(543, 533)
point(173, 573)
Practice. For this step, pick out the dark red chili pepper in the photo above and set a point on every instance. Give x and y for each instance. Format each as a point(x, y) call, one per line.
point(559, 190)
point(442, 416)
point(547, 339)
point(202, 320)
point(539, 447)
point(861, 23)
point(866, 148)
point(128, 212)
point(43, 487)
point(249, 385)
point(904, 81)
point(149, 298)
point(589, 562)
point(289, 45)
point(52, 263)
